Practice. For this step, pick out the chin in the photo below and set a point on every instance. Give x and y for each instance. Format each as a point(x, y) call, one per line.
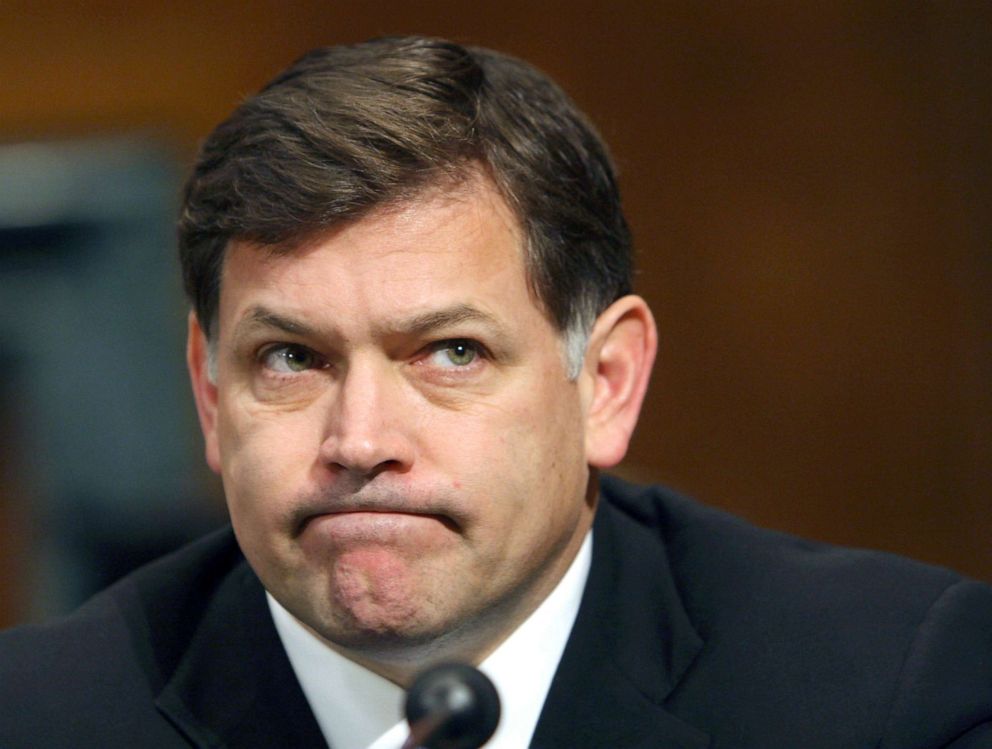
point(368, 623)
point(390, 642)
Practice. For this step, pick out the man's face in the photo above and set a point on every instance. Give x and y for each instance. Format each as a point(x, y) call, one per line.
point(401, 449)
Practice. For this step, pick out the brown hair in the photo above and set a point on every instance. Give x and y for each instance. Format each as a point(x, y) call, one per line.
point(349, 128)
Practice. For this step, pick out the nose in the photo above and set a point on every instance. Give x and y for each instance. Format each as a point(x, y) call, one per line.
point(367, 426)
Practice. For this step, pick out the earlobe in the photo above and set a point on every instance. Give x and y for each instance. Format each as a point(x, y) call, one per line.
point(621, 352)
point(204, 388)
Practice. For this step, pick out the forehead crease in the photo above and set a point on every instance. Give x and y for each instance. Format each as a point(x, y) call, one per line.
point(440, 318)
point(260, 317)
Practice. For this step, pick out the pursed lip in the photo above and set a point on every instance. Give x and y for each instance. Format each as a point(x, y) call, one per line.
point(376, 528)
point(358, 509)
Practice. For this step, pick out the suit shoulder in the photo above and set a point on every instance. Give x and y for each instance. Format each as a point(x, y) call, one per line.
point(724, 563)
point(865, 643)
point(117, 648)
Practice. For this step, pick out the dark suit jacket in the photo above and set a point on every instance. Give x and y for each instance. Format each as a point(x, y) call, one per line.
point(695, 630)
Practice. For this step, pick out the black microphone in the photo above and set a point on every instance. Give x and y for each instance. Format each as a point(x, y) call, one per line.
point(451, 706)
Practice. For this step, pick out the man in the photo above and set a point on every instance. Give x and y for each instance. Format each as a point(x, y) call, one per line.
point(413, 348)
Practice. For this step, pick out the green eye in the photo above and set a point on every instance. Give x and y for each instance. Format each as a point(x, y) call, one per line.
point(299, 360)
point(460, 354)
point(454, 354)
point(289, 359)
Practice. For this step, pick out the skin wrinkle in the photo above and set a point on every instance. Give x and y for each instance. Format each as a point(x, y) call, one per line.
point(260, 321)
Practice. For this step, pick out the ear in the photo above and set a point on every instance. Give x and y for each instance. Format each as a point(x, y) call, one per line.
point(617, 368)
point(204, 389)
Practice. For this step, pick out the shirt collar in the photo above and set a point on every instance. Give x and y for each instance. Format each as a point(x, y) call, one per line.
point(358, 709)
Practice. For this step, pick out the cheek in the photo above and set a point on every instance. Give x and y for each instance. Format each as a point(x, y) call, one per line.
point(526, 466)
point(252, 429)
point(265, 457)
point(555, 452)
point(547, 433)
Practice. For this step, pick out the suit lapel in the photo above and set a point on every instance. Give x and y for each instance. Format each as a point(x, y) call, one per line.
point(631, 644)
point(234, 686)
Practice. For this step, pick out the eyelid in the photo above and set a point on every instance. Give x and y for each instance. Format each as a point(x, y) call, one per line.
point(447, 343)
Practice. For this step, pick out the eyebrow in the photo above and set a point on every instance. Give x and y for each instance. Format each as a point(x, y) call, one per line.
point(260, 317)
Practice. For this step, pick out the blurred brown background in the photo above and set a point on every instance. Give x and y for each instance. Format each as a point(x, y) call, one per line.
point(808, 186)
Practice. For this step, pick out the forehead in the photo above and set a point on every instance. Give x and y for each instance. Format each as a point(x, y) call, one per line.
point(445, 246)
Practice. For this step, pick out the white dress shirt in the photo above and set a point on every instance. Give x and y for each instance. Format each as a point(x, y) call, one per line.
point(358, 709)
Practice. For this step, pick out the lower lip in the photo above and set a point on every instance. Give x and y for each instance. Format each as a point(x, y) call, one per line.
point(374, 527)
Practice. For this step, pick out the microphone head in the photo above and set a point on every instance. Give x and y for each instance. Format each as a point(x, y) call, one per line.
point(452, 706)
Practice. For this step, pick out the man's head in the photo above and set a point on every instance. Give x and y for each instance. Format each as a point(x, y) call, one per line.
point(386, 250)
point(350, 128)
